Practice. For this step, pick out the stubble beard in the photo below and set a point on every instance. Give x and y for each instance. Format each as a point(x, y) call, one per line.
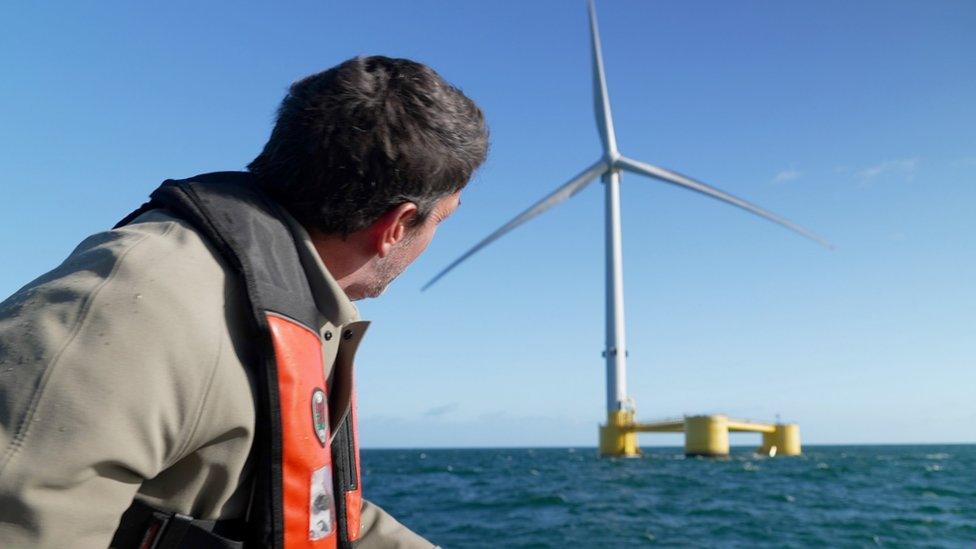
point(386, 270)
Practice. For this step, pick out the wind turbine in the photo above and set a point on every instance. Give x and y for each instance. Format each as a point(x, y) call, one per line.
point(608, 168)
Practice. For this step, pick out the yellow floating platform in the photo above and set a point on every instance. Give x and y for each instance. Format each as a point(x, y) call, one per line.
point(704, 435)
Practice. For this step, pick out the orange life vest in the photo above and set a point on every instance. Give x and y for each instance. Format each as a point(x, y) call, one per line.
point(307, 489)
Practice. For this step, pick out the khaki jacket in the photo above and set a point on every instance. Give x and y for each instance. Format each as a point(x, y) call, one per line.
point(121, 376)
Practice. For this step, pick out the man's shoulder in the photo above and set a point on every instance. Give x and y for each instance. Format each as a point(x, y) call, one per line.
point(164, 241)
point(157, 252)
point(149, 302)
point(120, 362)
point(150, 269)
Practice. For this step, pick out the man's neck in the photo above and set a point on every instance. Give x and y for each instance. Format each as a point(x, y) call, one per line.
point(342, 257)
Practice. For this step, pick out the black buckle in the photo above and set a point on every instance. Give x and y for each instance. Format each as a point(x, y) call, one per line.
point(166, 531)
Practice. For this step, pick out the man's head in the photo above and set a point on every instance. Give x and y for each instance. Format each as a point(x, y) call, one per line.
point(372, 154)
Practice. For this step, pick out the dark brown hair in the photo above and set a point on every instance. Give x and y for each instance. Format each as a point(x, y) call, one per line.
point(367, 135)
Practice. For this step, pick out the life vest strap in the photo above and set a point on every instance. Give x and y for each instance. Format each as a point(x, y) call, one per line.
point(145, 527)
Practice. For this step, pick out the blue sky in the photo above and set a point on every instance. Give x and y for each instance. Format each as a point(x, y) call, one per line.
point(853, 118)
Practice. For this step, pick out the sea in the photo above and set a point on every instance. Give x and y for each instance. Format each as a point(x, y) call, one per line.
point(831, 496)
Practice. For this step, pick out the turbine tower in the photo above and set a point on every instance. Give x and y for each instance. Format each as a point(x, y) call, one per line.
point(620, 410)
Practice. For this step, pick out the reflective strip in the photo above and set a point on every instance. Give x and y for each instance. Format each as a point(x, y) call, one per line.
point(298, 354)
point(321, 504)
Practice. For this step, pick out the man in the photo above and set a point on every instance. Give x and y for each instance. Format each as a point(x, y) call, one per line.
point(185, 379)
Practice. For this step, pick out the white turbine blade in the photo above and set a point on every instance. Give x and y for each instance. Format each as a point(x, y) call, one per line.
point(675, 178)
point(601, 100)
point(559, 195)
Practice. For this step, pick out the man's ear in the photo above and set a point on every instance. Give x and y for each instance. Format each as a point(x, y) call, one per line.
point(391, 227)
